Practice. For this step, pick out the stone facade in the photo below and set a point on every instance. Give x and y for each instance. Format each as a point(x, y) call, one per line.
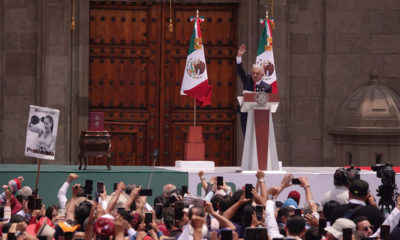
point(324, 51)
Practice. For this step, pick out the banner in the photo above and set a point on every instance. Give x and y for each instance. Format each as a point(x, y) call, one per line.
point(41, 132)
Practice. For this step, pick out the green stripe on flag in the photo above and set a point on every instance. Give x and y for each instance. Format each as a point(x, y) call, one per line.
point(263, 40)
point(191, 46)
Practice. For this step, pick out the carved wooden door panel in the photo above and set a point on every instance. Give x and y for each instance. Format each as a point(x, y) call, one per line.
point(219, 32)
point(135, 74)
point(124, 76)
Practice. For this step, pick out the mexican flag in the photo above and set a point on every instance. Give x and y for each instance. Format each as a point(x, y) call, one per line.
point(195, 79)
point(265, 54)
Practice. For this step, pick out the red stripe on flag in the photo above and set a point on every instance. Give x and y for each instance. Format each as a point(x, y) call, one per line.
point(274, 86)
point(202, 93)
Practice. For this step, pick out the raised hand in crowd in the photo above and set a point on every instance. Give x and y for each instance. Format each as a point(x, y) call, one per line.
point(257, 197)
point(203, 181)
point(255, 222)
point(311, 220)
point(72, 177)
point(133, 196)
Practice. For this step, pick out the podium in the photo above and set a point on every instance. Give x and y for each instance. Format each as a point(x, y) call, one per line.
point(259, 150)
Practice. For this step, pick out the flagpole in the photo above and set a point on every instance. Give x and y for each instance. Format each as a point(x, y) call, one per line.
point(194, 107)
point(39, 161)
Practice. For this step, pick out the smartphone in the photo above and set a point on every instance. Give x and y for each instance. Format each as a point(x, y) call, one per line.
point(124, 214)
point(61, 212)
point(298, 212)
point(31, 202)
point(296, 181)
point(247, 189)
point(256, 233)
point(20, 198)
point(226, 235)
point(179, 210)
point(259, 212)
point(38, 203)
point(148, 218)
point(1, 213)
point(146, 192)
point(158, 208)
point(184, 190)
point(88, 186)
point(100, 187)
point(321, 226)
point(115, 186)
point(220, 181)
point(347, 233)
point(385, 232)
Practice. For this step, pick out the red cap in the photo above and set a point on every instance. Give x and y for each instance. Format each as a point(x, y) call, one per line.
point(104, 227)
point(18, 183)
point(295, 195)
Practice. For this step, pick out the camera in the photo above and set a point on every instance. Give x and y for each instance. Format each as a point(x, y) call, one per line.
point(385, 172)
point(174, 196)
point(388, 187)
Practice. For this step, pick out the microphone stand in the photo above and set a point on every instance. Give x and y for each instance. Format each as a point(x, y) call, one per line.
point(155, 156)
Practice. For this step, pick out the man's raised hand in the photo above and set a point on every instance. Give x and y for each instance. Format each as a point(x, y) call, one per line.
point(242, 50)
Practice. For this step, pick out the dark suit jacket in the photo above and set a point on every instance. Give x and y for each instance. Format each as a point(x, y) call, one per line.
point(373, 214)
point(248, 84)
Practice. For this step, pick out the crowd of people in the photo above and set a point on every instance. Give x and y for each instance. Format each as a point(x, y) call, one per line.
point(348, 211)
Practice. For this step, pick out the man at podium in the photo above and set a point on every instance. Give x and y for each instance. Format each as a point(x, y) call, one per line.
point(251, 82)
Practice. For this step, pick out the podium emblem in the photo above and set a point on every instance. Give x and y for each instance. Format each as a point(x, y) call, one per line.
point(261, 98)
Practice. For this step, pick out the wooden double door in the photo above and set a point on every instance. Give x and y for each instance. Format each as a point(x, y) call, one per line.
point(135, 75)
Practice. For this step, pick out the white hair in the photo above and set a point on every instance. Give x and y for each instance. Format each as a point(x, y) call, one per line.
point(258, 67)
point(25, 191)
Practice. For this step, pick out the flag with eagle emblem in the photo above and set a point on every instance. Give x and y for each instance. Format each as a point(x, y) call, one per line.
point(265, 54)
point(195, 79)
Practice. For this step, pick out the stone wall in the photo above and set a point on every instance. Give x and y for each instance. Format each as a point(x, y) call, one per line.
point(360, 35)
point(18, 74)
point(324, 50)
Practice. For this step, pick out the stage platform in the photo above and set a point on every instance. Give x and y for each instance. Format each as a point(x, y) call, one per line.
point(53, 176)
point(320, 178)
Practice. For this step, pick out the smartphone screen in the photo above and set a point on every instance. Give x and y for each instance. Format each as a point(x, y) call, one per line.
point(100, 187)
point(321, 226)
point(38, 203)
point(259, 212)
point(1, 213)
point(31, 202)
point(158, 208)
point(88, 186)
point(296, 181)
point(184, 190)
point(385, 231)
point(115, 186)
point(61, 212)
point(226, 235)
point(248, 188)
point(298, 212)
point(347, 233)
point(220, 181)
point(146, 192)
point(179, 210)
